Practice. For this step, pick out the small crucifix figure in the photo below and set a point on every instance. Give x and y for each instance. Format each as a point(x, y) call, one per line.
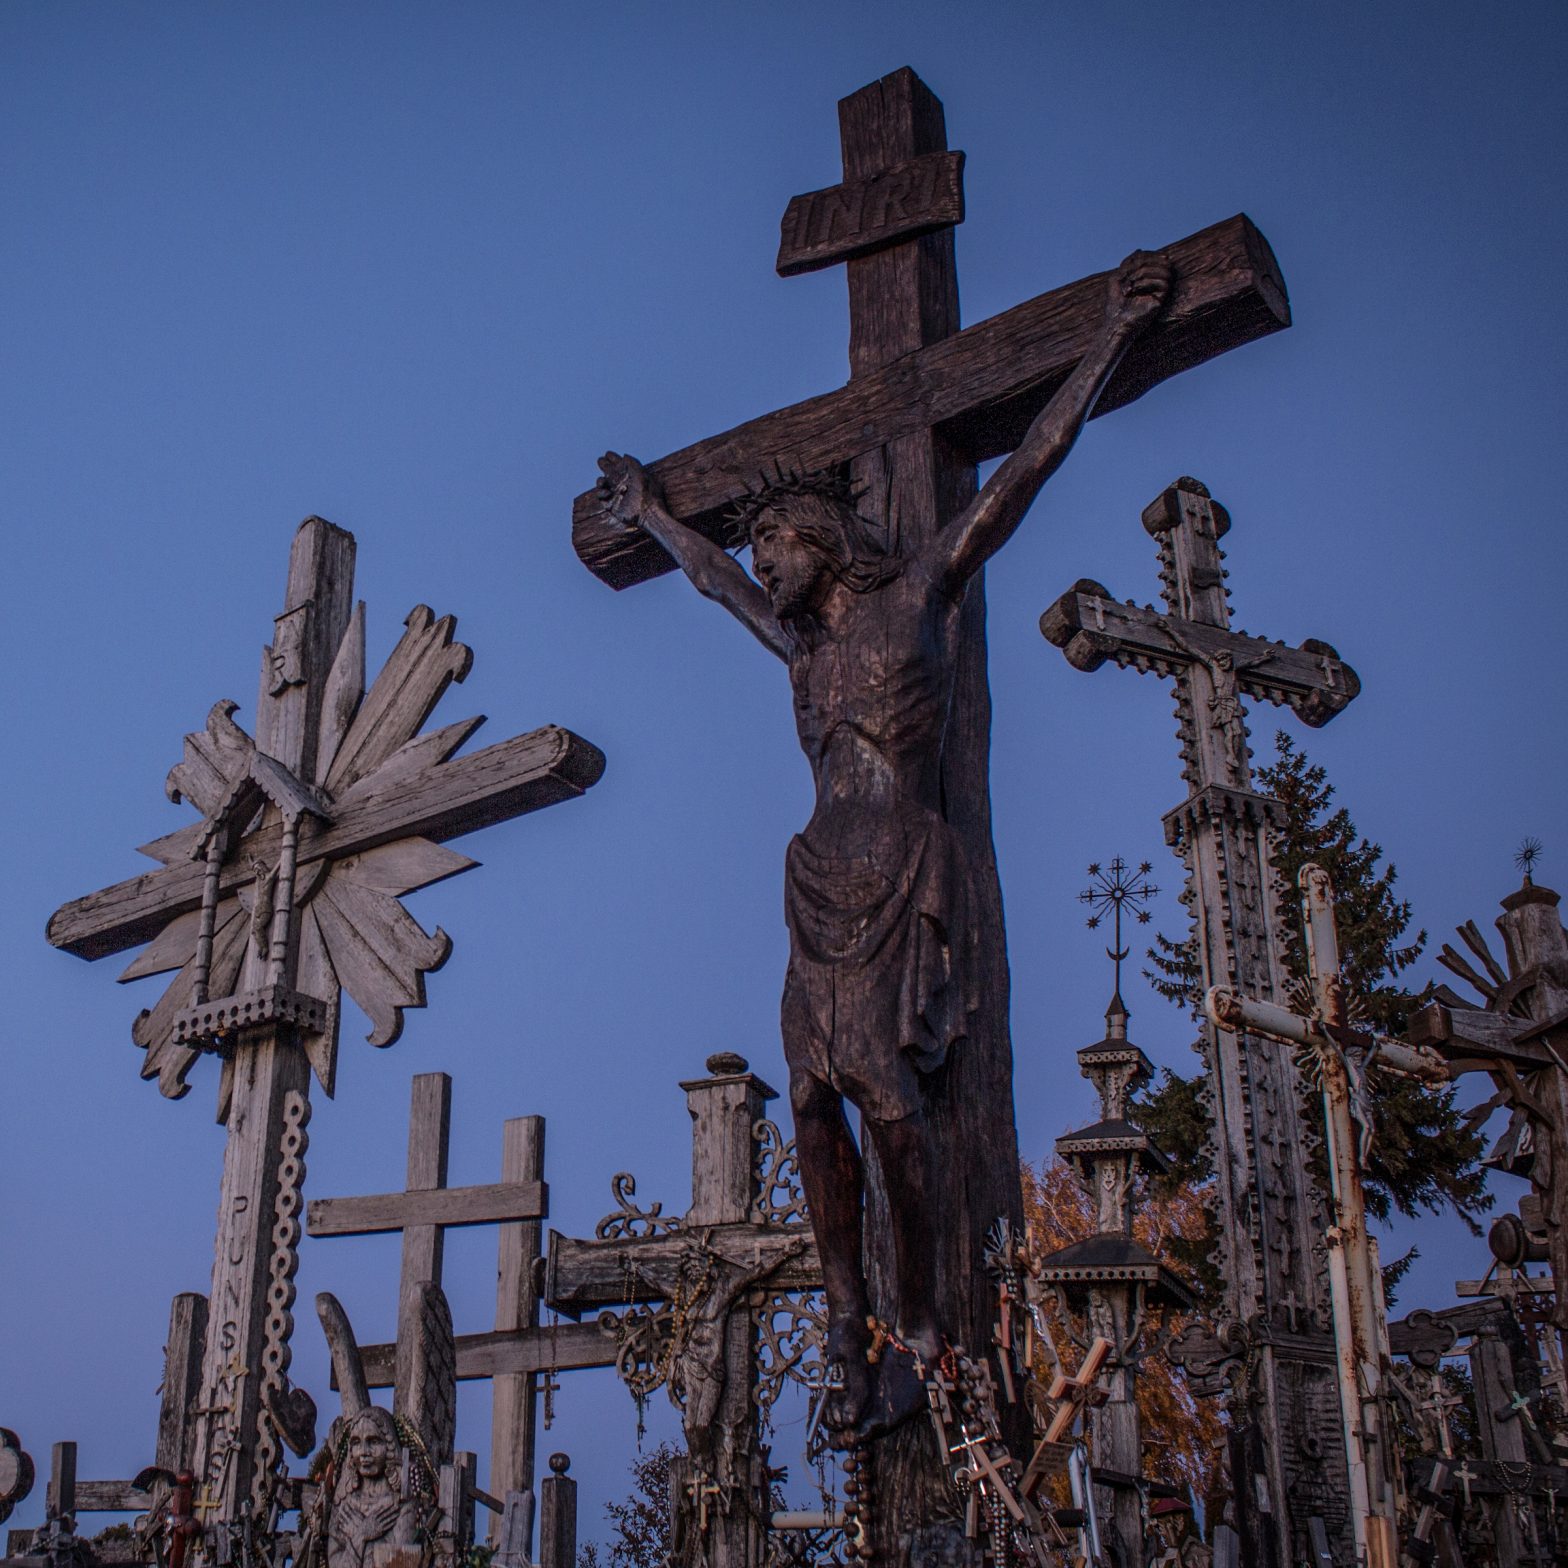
point(285, 891)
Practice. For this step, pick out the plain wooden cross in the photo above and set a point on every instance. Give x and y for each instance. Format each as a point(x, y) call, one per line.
point(924, 404)
point(1221, 830)
point(423, 1212)
point(285, 890)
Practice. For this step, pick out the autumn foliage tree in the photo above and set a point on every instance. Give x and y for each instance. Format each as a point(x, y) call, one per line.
point(1181, 1435)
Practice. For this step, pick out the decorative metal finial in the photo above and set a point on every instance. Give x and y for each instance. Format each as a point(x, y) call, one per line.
point(1115, 887)
point(1525, 857)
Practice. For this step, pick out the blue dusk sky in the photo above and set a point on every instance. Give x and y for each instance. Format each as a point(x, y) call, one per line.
point(412, 267)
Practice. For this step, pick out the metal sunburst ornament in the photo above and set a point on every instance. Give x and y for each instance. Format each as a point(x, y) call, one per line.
point(1525, 857)
point(1114, 889)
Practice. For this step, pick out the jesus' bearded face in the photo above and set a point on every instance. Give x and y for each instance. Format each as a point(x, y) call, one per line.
point(795, 575)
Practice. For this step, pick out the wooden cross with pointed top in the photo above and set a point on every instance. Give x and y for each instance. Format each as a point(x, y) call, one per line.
point(1271, 1215)
point(286, 890)
point(924, 404)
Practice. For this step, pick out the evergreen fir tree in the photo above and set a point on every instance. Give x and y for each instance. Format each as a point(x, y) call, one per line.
point(1426, 1156)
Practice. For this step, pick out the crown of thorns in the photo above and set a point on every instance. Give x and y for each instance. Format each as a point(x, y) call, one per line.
point(829, 483)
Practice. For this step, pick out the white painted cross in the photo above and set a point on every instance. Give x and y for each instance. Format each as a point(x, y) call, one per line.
point(1355, 1279)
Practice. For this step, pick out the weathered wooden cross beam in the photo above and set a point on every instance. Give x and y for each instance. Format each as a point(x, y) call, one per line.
point(1270, 1214)
point(285, 892)
point(978, 389)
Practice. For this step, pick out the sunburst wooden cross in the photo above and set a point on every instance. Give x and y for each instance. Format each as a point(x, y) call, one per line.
point(283, 894)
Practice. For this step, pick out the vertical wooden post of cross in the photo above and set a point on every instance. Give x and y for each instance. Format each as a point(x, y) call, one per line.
point(268, 1103)
point(514, 1395)
point(902, 298)
point(429, 1139)
point(725, 1108)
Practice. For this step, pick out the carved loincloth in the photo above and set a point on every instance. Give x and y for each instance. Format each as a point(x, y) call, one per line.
point(882, 968)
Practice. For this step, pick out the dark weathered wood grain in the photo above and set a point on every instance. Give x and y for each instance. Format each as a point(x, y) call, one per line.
point(585, 1276)
point(979, 388)
point(502, 781)
point(846, 220)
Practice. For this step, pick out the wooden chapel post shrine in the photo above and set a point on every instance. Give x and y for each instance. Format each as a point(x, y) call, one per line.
point(1287, 1451)
point(924, 404)
point(285, 891)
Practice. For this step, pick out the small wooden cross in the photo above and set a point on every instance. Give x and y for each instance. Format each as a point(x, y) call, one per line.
point(423, 1212)
point(1466, 1475)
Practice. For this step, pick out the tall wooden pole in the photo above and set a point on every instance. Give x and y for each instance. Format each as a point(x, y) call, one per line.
point(903, 298)
point(267, 1098)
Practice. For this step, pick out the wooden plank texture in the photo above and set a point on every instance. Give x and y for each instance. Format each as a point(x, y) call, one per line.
point(503, 781)
point(182, 1358)
point(828, 226)
point(584, 1276)
point(980, 387)
point(513, 1399)
point(521, 1353)
point(522, 1200)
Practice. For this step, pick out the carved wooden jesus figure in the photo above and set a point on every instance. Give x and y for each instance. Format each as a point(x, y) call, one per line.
point(881, 977)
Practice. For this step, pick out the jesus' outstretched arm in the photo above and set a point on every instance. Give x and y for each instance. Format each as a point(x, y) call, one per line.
point(632, 497)
point(1138, 289)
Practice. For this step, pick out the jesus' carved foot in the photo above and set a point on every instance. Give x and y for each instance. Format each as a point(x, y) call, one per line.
point(849, 1380)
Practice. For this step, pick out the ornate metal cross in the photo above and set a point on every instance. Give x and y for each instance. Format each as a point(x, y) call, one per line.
point(283, 893)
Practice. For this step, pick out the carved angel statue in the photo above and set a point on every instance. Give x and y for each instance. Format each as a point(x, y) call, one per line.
point(375, 1503)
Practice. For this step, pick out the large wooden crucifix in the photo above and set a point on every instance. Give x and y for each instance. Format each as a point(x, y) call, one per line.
point(878, 480)
point(286, 890)
point(1271, 1215)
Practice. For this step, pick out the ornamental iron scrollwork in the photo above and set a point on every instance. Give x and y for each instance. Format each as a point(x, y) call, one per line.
point(779, 1198)
point(643, 1336)
point(791, 1334)
point(628, 1221)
